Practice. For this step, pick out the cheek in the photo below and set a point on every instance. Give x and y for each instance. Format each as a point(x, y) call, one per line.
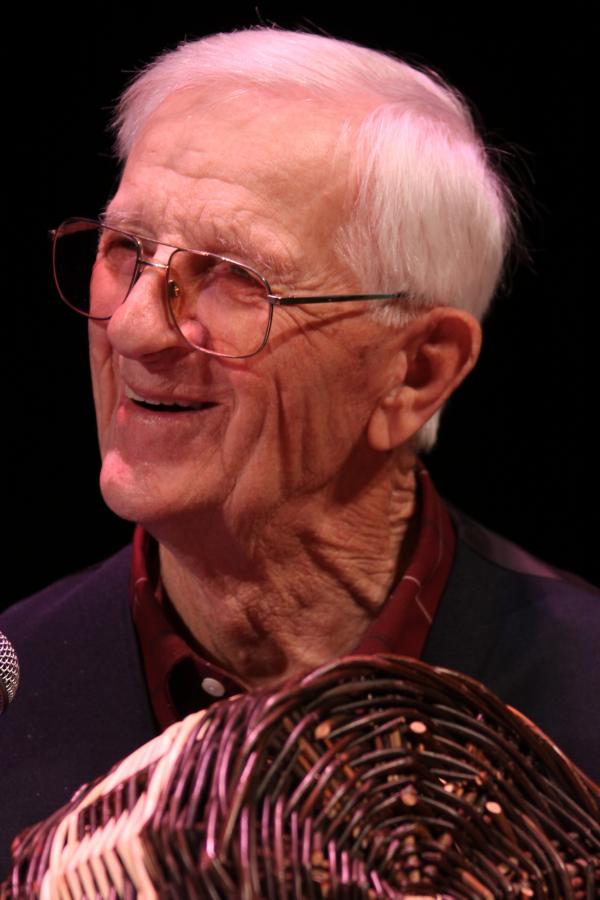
point(249, 419)
point(103, 378)
point(321, 413)
point(324, 382)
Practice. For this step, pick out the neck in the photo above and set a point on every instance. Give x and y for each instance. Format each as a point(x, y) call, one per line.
point(301, 588)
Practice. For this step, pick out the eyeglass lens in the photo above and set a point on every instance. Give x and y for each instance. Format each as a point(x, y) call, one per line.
point(217, 305)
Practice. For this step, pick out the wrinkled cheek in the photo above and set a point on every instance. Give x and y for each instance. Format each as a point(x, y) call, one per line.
point(103, 381)
point(250, 450)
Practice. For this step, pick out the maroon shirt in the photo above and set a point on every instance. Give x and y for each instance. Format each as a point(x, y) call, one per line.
point(180, 674)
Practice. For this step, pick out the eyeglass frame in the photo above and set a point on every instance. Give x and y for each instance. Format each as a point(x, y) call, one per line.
point(272, 299)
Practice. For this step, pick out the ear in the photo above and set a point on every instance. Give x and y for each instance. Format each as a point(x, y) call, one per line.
point(438, 349)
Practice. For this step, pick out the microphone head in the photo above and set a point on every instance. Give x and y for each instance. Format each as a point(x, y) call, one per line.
point(9, 672)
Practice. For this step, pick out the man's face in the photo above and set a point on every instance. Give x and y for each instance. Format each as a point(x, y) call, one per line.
point(260, 179)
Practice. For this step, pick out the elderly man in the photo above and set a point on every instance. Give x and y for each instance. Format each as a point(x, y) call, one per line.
point(284, 290)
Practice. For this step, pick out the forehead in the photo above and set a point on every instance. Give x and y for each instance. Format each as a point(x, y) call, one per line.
point(244, 160)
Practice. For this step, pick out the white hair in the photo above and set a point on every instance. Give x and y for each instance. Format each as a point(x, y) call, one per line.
point(432, 217)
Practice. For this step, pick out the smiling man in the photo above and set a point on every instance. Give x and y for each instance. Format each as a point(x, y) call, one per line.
point(283, 292)
point(271, 489)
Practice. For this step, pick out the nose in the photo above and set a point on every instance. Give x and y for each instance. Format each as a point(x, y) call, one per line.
point(141, 326)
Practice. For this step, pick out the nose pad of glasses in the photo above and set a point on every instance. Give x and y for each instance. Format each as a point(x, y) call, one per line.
point(174, 294)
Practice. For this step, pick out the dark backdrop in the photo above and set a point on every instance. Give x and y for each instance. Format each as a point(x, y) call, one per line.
point(512, 450)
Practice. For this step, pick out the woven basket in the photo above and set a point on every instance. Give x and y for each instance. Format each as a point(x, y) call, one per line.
point(371, 777)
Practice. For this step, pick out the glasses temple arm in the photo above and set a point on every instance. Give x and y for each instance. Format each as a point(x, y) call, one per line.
point(343, 298)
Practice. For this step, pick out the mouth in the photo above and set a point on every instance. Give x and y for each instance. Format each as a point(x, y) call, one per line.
point(158, 406)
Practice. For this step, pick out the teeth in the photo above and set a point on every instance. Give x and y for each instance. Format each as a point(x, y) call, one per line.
point(131, 395)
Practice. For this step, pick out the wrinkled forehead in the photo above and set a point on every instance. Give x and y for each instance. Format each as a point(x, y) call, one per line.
point(292, 127)
point(255, 135)
point(274, 166)
point(289, 115)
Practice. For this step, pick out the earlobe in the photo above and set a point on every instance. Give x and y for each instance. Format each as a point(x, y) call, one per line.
point(440, 347)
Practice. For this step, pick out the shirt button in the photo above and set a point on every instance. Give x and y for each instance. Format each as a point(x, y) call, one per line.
point(213, 687)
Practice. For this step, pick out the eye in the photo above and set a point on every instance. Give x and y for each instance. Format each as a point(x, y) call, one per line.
point(113, 244)
point(117, 251)
point(242, 274)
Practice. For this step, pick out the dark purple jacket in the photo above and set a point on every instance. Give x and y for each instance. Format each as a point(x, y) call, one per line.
point(529, 633)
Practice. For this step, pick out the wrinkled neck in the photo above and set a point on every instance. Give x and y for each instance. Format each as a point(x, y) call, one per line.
point(302, 587)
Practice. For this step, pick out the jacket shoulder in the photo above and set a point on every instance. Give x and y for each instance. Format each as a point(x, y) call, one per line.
point(104, 579)
point(504, 554)
point(82, 703)
point(526, 630)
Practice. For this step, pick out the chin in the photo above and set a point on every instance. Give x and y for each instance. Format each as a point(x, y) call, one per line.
point(128, 491)
point(148, 494)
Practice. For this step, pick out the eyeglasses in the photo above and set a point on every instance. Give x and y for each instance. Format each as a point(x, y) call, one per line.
point(218, 305)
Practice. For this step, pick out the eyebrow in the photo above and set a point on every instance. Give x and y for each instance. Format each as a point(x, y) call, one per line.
point(226, 243)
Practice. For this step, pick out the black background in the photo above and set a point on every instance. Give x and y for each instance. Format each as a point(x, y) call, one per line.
point(513, 450)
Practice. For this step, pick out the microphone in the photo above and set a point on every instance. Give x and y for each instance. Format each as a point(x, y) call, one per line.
point(9, 672)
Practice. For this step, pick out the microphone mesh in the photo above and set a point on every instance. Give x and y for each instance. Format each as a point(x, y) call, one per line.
point(9, 671)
